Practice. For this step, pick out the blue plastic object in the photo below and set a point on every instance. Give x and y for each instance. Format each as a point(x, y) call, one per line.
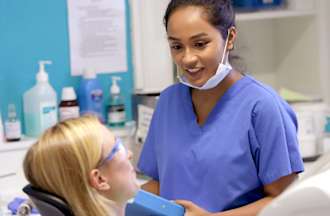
point(14, 205)
point(147, 204)
point(90, 97)
point(255, 4)
point(327, 125)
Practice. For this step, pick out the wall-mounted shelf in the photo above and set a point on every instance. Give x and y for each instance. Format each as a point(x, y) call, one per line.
point(24, 143)
point(288, 47)
point(272, 14)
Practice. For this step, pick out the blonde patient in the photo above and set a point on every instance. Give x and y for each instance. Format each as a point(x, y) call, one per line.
point(81, 161)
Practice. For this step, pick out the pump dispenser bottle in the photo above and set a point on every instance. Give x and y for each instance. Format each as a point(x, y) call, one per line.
point(40, 104)
point(116, 105)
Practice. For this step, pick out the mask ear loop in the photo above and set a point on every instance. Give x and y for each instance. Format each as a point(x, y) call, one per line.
point(179, 71)
point(225, 52)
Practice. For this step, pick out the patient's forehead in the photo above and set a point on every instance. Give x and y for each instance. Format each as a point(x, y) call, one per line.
point(108, 140)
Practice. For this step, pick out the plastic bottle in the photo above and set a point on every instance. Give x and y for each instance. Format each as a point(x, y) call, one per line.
point(13, 130)
point(40, 104)
point(68, 107)
point(90, 95)
point(326, 136)
point(116, 105)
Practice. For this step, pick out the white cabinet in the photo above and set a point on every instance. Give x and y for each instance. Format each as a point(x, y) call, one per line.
point(152, 64)
point(11, 165)
point(288, 47)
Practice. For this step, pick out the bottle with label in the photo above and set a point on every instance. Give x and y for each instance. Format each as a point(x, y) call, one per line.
point(68, 107)
point(116, 105)
point(40, 104)
point(326, 136)
point(12, 125)
point(90, 95)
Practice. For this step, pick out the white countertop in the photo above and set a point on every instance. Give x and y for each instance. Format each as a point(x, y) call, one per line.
point(24, 143)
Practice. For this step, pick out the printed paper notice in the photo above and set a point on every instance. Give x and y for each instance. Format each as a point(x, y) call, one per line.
point(97, 33)
point(145, 115)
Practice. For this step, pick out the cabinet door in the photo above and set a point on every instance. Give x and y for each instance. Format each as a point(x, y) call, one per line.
point(153, 68)
point(12, 179)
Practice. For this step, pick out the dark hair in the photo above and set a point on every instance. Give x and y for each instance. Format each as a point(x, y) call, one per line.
point(220, 12)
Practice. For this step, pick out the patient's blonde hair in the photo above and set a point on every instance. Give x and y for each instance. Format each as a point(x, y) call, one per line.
point(61, 160)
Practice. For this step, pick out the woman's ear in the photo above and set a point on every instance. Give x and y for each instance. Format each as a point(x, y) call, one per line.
point(231, 38)
point(98, 181)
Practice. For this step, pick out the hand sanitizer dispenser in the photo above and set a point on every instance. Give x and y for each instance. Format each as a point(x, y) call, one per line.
point(40, 104)
point(116, 105)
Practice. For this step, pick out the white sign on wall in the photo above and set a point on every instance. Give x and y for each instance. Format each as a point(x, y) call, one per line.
point(97, 34)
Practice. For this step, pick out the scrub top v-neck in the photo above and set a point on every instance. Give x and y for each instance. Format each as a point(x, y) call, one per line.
point(248, 140)
point(186, 96)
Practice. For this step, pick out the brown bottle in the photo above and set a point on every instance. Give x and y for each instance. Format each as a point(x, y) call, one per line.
point(68, 107)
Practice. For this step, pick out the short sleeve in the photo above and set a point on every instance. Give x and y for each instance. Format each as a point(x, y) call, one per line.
point(275, 140)
point(148, 159)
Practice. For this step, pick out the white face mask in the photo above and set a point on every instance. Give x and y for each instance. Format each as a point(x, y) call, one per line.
point(222, 71)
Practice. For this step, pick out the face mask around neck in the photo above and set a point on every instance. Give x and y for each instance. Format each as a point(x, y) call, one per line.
point(222, 71)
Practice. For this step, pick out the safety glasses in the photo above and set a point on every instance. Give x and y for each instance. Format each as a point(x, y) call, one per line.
point(117, 147)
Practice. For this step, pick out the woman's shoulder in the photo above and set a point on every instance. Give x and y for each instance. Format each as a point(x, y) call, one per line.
point(172, 89)
point(261, 90)
point(173, 92)
point(262, 93)
point(266, 98)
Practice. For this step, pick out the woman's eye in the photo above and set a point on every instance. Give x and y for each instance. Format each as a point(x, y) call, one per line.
point(175, 47)
point(200, 44)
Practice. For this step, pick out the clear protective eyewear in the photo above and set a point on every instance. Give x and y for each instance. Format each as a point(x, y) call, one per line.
point(117, 147)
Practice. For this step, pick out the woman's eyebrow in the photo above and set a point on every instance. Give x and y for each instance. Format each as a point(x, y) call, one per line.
point(198, 35)
point(192, 37)
point(173, 38)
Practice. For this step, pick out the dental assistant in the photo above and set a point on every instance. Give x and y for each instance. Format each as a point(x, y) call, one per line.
point(220, 142)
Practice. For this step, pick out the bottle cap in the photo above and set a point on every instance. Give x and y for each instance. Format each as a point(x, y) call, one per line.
point(89, 73)
point(42, 75)
point(115, 89)
point(68, 94)
point(11, 111)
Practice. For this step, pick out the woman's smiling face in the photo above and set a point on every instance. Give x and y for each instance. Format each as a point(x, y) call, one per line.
point(196, 46)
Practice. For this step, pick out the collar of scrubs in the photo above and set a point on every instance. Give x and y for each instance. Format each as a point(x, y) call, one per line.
point(231, 92)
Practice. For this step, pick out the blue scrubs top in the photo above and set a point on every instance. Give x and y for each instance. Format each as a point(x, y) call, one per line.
point(248, 140)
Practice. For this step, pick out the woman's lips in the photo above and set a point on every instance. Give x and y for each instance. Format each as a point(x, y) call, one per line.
point(194, 73)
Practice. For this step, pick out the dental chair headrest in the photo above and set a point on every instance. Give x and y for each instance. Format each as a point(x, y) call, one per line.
point(47, 203)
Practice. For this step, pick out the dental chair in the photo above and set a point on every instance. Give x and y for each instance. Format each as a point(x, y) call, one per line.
point(47, 204)
point(308, 196)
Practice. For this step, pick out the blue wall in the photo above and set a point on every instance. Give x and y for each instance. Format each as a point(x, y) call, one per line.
point(38, 30)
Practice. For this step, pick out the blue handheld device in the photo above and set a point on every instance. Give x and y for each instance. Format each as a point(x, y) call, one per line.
point(148, 204)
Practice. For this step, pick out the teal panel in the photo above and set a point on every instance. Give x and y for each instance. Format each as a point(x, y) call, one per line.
point(38, 30)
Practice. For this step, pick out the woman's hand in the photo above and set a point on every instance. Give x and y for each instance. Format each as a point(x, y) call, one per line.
point(192, 209)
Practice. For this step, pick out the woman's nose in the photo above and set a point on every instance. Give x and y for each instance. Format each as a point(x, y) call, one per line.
point(189, 58)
